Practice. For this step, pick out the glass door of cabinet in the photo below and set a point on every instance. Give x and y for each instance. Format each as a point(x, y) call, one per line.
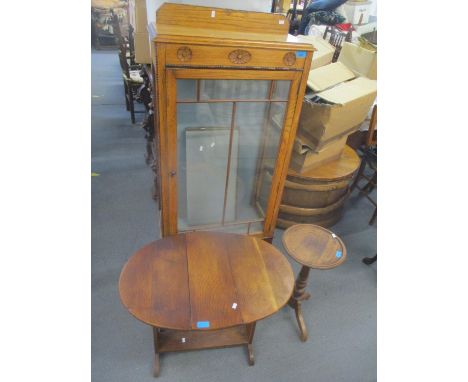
point(227, 135)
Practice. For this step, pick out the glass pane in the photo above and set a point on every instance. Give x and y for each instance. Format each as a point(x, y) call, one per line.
point(234, 89)
point(256, 228)
point(258, 146)
point(203, 132)
point(226, 156)
point(238, 228)
point(186, 90)
point(281, 90)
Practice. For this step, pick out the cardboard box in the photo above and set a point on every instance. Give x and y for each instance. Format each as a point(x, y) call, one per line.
point(304, 159)
point(357, 12)
point(354, 61)
point(362, 62)
point(142, 48)
point(141, 19)
point(343, 93)
point(329, 75)
point(324, 53)
point(335, 112)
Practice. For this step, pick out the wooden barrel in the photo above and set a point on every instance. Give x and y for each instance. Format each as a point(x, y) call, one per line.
point(317, 196)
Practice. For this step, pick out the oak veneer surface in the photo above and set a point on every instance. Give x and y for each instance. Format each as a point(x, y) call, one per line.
point(180, 20)
point(314, 246)
point(182, 279)
point(193, 42)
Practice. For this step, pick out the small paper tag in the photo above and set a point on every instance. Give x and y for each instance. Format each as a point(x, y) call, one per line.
point(203, 324)
point(234, 305)
point(213, 13)
point(338, 254)
point(301, 54)
point(280, 22)
point(183, 339)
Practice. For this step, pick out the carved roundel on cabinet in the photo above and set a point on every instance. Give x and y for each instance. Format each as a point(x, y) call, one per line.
point(184, 54)
point(289, 58)
point(239, 56)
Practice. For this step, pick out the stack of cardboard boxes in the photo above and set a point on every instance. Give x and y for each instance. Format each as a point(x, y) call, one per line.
point(324, 50)
point(342, 94)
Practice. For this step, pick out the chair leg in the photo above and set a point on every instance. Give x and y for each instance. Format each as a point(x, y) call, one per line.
point(358, 175)
point(126, 96)
point(369, 187)
point(374, 216)
point(369, 260)
point(132, 108)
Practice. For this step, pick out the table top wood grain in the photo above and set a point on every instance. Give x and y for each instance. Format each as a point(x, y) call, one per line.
point(182, 280)
point(314, 246)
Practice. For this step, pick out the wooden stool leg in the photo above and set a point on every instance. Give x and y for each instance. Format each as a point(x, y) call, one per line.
point(300, 321)
point(156, 366)
point(250, 332)
point(298, 296)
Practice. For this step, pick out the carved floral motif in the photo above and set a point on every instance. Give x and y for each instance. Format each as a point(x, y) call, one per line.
point(289, 58)
point(184, 54)
point(239, 56)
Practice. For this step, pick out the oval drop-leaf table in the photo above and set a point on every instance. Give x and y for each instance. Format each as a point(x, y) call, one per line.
point(203, 290)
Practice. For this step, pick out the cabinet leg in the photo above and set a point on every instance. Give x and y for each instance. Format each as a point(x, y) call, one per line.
point(156, 365)
point(250, 332)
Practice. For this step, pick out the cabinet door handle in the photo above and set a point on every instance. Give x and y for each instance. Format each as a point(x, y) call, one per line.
point(172, 173)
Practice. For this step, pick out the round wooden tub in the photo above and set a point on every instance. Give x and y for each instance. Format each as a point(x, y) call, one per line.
point(317, 196)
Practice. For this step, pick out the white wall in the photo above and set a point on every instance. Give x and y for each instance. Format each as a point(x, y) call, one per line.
point(246, 5)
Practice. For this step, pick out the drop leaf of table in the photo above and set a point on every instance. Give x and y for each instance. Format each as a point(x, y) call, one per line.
point(185, 286)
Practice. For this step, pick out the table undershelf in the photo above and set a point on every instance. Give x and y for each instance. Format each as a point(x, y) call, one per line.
point(171, 340)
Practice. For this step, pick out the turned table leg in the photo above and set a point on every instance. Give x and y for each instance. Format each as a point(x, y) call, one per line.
point(156, 366)
point(298, 296)
point(250, 333)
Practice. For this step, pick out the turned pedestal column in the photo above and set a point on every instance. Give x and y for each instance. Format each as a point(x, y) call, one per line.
point(312, 247)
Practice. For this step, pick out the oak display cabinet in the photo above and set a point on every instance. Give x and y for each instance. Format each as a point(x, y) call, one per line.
point(229, 90)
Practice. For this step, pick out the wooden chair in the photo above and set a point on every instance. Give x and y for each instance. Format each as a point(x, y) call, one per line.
point(293, 14)
point(131, 46)
point(102, 29)
point(336, 39)
point(368, 159)
point(132, 80)
point(148, 121)
point(151, 155)
point(368, 153)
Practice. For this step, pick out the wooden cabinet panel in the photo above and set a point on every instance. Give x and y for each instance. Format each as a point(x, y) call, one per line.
point(221, 73)
point(228, 56)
